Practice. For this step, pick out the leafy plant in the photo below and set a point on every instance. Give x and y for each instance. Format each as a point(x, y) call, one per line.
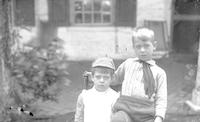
point(39, 74)
point(191, 71)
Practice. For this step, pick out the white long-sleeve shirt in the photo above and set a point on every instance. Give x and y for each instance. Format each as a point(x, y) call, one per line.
point(95, 106)
point(130, 75)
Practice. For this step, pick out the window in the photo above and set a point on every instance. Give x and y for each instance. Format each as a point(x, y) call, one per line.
point(92, 12)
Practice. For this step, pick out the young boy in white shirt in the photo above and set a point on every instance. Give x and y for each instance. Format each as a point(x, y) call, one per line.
point(95, 104)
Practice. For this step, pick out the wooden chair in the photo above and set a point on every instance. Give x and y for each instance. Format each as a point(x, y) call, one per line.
point(87, 80)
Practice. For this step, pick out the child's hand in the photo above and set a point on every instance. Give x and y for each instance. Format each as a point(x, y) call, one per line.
point(158, 119)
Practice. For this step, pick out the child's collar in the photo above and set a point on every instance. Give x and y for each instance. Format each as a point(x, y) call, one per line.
point(151, 62)
point(100, 92)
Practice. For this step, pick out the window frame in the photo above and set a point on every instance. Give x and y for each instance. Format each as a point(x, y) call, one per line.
point(72, 16)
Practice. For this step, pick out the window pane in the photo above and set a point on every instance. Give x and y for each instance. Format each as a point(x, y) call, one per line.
point(87, 5)
point(78, 18)
point(92, 11)
point(106, 18)
point(106, 5)
point(97, 5)
point(78, 5)
point(88, 18)
point(97, 18)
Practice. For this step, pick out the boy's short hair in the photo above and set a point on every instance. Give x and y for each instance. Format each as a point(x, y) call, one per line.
point(144, 34)
point(103, 62)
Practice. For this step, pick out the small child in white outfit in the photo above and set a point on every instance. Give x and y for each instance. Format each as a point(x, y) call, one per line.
point(95, 104)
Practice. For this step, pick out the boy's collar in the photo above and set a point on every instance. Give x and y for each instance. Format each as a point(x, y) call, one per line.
point(101, 92)
point(151, 62)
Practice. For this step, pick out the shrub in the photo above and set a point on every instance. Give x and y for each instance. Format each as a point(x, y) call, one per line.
point(39, 74)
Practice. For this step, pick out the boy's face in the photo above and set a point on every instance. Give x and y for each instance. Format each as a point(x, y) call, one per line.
point(102, 79)
point(143, 49)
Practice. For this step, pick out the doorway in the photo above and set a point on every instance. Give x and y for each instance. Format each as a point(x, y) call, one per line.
point(186, 26)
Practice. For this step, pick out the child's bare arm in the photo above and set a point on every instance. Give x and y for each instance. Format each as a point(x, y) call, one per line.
point(79, 115)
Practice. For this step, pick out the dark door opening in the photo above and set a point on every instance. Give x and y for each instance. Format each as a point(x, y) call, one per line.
point(186, 26)
point(186, 36)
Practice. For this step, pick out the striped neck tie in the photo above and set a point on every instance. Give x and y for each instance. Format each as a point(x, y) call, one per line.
point(149, 81)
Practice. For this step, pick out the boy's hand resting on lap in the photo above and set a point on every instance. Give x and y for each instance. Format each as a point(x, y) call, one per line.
point(158, 119)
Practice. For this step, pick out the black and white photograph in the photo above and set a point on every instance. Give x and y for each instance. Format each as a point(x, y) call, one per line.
point(99, 61)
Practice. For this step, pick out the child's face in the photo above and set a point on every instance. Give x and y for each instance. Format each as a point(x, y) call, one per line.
point(143, 49)
point(102, 79)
